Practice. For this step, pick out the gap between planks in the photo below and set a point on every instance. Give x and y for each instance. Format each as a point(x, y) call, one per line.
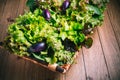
point(110, 44)
point(104, 54)
point(113, 27)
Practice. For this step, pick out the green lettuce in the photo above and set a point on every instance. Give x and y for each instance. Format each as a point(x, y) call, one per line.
point(32, 28)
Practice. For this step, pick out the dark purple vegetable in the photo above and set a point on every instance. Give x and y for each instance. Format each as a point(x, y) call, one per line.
point(41, 46)
point(46, 14)
point(65, 5)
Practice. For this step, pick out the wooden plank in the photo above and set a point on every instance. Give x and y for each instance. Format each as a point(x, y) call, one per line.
point(14, 66)
point(37, 72)
point(110, 45)
point(2, 5)
point(3, 63)
point(6, 67)
point(114, 16)
point(49, 75)
point(22, 7)
point(77, 70)
point(94, 61)
point(8, 7)
point(10, 11)
point(33, 72)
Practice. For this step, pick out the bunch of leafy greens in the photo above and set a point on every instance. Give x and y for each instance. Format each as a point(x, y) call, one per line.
point(63, 33)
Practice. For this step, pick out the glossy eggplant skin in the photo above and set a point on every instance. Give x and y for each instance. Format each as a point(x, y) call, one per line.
point(46, 14)
point(65, 5)
point(38, 47)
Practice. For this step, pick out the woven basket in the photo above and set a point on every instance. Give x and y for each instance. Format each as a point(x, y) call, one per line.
point(53, 67)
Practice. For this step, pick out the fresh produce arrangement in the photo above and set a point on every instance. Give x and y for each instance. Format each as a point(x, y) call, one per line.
point(54, 30)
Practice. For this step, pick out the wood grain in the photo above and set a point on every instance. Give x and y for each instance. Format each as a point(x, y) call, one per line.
point(21, 7)
point(114, 17)
point(94, 61)
point(111, 49)
point(2, 4)
point(77, 70)
point(10, 11)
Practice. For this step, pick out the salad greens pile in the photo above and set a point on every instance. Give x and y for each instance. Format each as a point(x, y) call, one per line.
point(53, 30)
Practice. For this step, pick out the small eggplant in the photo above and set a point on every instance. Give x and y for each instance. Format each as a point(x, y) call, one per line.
point(65, 5)
point(46, 14)
point(38, 47)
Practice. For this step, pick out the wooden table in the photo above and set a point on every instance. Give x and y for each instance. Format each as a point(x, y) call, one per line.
point(100, 62)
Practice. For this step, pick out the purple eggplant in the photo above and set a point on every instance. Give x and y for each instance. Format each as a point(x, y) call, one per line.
point(46, 14)
point(65, 5)
point(38, 47)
